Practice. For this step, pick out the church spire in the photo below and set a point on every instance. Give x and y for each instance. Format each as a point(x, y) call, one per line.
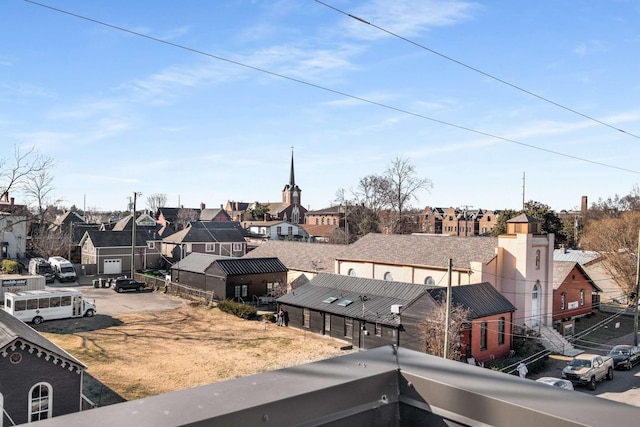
point(292, 180)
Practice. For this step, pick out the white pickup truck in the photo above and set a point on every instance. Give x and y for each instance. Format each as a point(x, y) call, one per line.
point(588, 369)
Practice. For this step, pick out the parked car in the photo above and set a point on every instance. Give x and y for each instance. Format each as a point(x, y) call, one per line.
point(556, 382)
point(625, 356)
point(121, 285)
point(588, 369)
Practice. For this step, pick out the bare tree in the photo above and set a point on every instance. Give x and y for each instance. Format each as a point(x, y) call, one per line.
point(37, 190)
point(26, 164)
point(51, 242)
point(156, 200)
point(403, 186)
point(92, 215)
point(184, 217)
point(432, 330)
point(372, 192)
point(616, 240)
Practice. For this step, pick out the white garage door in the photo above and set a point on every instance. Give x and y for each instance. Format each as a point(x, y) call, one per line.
point(112, 266)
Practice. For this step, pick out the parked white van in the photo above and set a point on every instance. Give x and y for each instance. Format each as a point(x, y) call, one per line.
point(63, 269)
point(47, 304)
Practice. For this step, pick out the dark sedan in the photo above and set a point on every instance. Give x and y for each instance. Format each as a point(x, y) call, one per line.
point(625, 356)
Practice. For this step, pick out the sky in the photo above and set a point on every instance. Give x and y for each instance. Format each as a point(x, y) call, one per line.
point(494, 102)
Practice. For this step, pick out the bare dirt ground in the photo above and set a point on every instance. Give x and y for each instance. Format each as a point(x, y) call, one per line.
point(132, 356)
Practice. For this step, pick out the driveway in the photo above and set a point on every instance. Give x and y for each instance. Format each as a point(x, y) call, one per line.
point(110, 303)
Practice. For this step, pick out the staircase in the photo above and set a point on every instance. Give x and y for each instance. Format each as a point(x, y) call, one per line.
point(556, 343)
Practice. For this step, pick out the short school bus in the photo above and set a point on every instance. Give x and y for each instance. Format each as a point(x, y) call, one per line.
point(40, 305)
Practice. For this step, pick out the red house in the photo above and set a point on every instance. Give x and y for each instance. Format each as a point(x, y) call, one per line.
point(573, 291)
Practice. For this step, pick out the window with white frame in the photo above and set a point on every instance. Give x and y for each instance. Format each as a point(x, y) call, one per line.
point(209, 247)
point(563, 300)
point(581, 296)
point(151, 245)
point(378, 330)
point(40, 402)
point(237, 247)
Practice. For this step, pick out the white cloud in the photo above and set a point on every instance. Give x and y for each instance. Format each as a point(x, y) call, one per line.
point(407, 17)
point(590, 47)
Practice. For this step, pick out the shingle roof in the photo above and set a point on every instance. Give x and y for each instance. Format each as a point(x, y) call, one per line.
point(209, 214)
point(371, 299)
point(12, 329)
point(562, 269)
point(113, 239)
point(424, 250)
point(319, 230)
point(482, 299)
point(208, 231)
point(196, 262)
point(301, 256)
point(241, 266)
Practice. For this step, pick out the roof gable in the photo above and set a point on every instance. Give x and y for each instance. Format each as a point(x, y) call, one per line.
point(482, 299)
point(14, 332)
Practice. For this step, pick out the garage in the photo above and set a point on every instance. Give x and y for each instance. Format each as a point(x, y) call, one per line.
point(112, 266)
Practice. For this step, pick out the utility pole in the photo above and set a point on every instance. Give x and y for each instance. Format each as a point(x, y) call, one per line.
point(447, 323)
point(133, 234)
point(635, 300)
point(523, 187)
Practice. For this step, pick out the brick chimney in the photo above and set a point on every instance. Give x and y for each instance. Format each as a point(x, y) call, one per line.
point(584, 206)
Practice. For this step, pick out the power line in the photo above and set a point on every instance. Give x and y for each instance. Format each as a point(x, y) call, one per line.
point(484, 73)
point(337, 92)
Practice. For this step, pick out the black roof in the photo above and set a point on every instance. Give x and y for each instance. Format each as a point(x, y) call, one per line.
point(240, 266)
point(208, 231)
point(481, 298)
point(111, 239)
point(370, 299)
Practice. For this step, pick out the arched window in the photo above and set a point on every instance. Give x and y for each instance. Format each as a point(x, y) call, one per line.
point(40, 402)
point(563, 298)
point(388, 276)
point(429, 281)
point(581, 296)
point(351, 272)
point(501, 330)
point(538, 259)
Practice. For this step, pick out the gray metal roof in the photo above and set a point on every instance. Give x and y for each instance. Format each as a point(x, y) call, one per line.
point(581, 257)
point(482, 299)
point(12, 329)
point(241, 266)
point(371, 299)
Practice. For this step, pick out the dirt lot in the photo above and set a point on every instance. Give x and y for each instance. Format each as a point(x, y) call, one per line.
point(131, 356)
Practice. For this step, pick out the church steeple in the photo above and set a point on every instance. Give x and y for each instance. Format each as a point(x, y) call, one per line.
point(291, 192)
point(292, 179)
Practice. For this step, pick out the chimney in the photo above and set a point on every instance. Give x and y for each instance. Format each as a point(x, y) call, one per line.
point(202, 206)
point(13, 200)
point(584, 206)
